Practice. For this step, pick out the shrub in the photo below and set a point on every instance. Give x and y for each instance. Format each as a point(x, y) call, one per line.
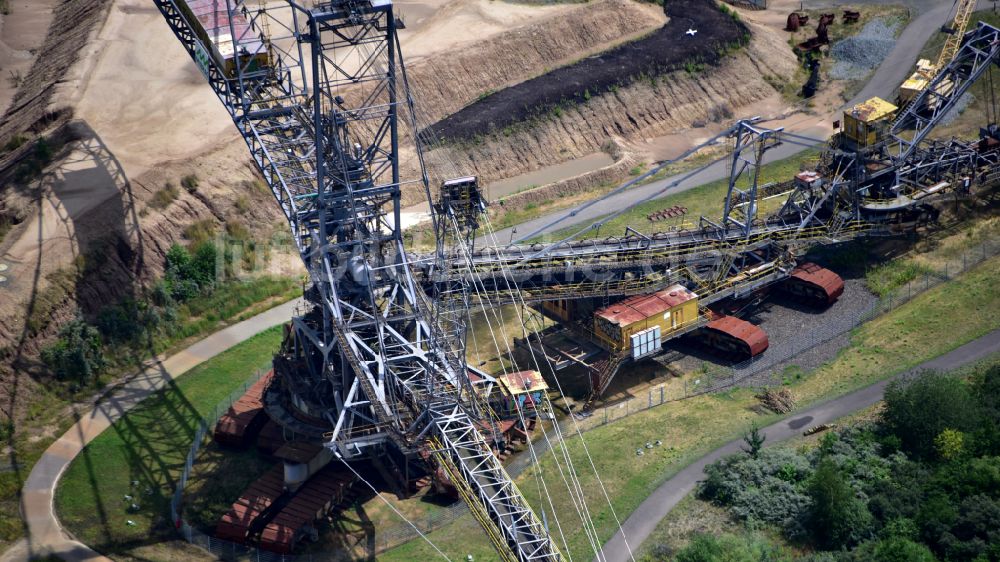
point(15, 142)
point(737, 548)
point(766, 488)
point(76, 355)
point(893, 549)
point(190, 182)
point(242, 204)
point(200, 232)
point(120, 323)
point(164, 197)
point(188, 275)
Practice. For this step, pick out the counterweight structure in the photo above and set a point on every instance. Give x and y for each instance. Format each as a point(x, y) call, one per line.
point(318, 91)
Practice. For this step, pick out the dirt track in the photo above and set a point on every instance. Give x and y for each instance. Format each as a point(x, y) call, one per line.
point(667, 49)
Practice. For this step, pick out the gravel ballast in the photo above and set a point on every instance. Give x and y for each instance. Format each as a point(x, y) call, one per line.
point(858, 55)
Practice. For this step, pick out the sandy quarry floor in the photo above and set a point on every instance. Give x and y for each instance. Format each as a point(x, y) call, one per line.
point(434, 26)
point(140, 92)
point(22, 32)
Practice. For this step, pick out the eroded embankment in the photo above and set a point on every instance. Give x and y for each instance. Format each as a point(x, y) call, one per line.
point(667, 49)
point(647, 108)
point(445, 83)
point(72, 23)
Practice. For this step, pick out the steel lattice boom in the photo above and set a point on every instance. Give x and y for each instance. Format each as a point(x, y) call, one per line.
point(317, 90)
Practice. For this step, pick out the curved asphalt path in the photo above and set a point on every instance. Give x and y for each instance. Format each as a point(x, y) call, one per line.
point(929, 16)
point(45, 536)
point(644, 519)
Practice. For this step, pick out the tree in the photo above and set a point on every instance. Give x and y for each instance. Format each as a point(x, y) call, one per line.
point(837, 518)
point(187, 274)
point(950, 444)
point(754, 440)
point(919, 410)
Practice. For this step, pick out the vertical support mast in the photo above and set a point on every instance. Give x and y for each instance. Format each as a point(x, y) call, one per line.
point(741, 203)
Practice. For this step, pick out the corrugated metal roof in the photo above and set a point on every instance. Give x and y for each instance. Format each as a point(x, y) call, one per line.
point(640, 307)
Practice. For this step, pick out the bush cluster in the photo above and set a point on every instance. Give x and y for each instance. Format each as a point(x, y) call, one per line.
point(921, 484)
point(78, 355)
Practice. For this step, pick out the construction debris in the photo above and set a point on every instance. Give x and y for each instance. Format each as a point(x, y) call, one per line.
point(779, 402)
point(675, 211)
point(817, 428)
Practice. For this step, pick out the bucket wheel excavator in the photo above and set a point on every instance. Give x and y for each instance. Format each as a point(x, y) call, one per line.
point(373, 369)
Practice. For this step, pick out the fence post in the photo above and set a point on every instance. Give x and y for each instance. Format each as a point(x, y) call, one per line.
point(605, 415)
point(662, 389)
point(650, 398)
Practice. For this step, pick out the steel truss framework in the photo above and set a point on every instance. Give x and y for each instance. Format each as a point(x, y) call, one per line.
point(979, 51)
point(322, 123)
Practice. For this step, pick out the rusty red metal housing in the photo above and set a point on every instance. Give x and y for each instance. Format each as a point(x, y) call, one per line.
point(752, 340)
point(640, 307)
point(822, 284)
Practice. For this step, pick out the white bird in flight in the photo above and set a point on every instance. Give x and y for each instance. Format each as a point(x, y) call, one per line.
point(691, 32)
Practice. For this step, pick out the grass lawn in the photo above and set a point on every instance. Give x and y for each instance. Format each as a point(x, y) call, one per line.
point(923, 328)
point(704, 200)
point(143, 453)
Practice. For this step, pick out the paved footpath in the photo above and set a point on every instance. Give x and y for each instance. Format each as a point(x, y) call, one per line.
point(644, 519)
point(45, 535)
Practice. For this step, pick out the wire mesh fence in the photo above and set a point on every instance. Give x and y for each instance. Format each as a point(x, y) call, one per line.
point(747, 373)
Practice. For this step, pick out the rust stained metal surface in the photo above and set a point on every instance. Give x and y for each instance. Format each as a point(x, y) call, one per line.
point(640, 307)
point(754, 338)
point(233, 526)
point(245, 416)
point(523, 381)
point(828, 281)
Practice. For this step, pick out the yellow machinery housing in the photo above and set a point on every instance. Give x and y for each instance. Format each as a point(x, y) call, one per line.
point(865, 124)
point(917, 81)
point(926, 71)
point(657, 315)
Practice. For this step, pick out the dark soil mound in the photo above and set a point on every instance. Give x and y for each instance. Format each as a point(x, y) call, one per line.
point(667, 49)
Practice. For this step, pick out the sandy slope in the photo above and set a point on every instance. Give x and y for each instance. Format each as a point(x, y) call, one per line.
point(435, 26)
point(22, 32)
point(139, 90)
